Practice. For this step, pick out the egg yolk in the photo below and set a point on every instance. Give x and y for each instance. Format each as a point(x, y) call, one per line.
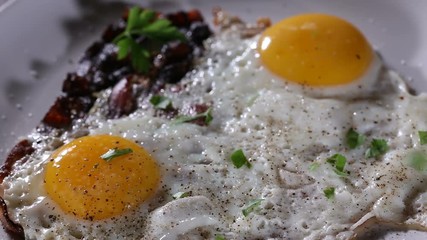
point(90, 187)
point(315, 50)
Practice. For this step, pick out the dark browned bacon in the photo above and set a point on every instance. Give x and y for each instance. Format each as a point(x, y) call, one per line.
point(22, 149)
point(100, 69)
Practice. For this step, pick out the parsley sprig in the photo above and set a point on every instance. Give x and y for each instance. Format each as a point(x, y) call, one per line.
point(239, 159)
point(354, 139)
point(423, 137)
point(377, 148)
point(418, 161)
point(338, 161)
point(144, 23)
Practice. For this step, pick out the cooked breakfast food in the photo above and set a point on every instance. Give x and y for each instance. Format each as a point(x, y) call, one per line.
point(292, 130)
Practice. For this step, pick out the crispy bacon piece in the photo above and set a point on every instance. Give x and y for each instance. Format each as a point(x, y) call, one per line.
point(113, 30)
point(194, 16)
point(75, 85)
point(100, 69)
point(65, 109)
point(179, 19)
point(22, 149)
point(14, 230)
point(199, 31)
point(122, 99)
point(175, 52)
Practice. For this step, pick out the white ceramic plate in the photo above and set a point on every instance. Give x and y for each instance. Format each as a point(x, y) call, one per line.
point(41, 40)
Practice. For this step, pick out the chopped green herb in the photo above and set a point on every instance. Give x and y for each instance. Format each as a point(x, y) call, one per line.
point(207, 115)
point(161, 102)
point(239, 159)
point(423, 137)
point(314, 166)
point(219, 237)
point(114, 152)
point(418, 160)
point(144, 23)
point(378, 147)
point(338, 161)
point(252, 99)
point(329, 192)
point(354, 139)
point(252, 206)
point(179, 195)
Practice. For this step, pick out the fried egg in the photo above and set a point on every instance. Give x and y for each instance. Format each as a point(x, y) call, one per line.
point(287, 99)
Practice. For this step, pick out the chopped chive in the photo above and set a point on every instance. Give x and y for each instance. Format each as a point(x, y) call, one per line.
point(179, 195)
point(219, 237)
point(114, 152)
point(207, 115)
point(329, 192)
point(314, 166)
point(161, 102)
point(252, 206)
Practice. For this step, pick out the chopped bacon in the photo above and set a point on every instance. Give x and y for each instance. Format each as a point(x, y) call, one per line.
point(65, 109)
point(14, 230)
point(22, 149)
point(122, 99)
point(100, 69)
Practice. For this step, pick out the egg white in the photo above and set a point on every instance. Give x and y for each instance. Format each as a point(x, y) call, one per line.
point(281, 129)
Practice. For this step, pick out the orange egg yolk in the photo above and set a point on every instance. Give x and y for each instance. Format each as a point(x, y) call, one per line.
point(90, 187)
point(315, 50)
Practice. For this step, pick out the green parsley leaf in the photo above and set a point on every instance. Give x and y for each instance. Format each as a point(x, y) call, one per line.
point(179, 195)
point(354, 139)
point(219, 237)
point(145, 17)
point(252, 206)
point(418, 161)
point(133, 19)
point(144, 23)
point(329, 192)
point(378, 147)
point(338, 161)
point(207, 115)
point(161, 102)
point(114, 152)
point(162, 30)
point(314, 166)
point(139, 57)
point(239, 159)
point(124, 47)
point(423, 137)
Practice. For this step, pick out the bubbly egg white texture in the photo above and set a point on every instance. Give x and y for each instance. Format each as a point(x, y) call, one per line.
point(282, 129)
